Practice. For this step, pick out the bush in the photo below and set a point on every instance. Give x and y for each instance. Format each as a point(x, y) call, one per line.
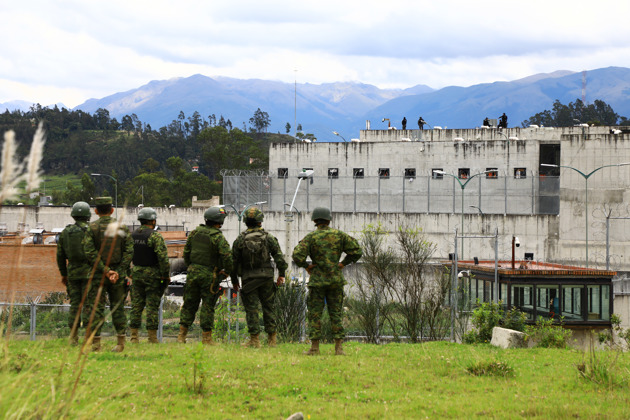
point(290, 309)
point(601, 369)
point(489, 315)
point(546, 334)
point(485, 317)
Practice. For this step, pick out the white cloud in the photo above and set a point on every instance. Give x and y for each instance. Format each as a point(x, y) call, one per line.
point(70, 50)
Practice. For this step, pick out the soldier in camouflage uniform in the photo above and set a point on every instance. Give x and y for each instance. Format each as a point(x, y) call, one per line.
point(109, 249)
point(252, 252)
point(208, 257)
point(75, 275)
point(325, 246)
point(150, 274)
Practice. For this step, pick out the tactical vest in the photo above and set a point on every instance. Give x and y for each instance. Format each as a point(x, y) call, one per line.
point(104, 245)
point(73, 244)
point(202, 250)
point(143, 254)
point(255, 257)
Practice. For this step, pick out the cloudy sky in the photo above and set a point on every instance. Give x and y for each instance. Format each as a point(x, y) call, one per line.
point(67, 51)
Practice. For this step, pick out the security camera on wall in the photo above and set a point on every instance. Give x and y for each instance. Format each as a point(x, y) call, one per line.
point(517, 242)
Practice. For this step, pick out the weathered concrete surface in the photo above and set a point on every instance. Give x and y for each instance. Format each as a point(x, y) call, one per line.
point(508, 339)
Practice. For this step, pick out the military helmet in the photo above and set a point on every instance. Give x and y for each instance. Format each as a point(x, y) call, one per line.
point(255, 214)
point(147, 213)
point(321, 213)
point(215, 214)
point(80, 209)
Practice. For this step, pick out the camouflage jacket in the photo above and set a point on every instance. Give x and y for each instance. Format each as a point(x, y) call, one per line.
point(207, 246)
point(121, 242)
point(77, 265)
point(156, 241)
point(240, 267)
point(325, 246)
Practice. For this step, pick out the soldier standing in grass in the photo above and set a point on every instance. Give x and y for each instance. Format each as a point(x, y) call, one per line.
point(208, 257)
point(325, 246)
point(76, 273)
point(252, 252)
point(109, 249)
point(150, 274)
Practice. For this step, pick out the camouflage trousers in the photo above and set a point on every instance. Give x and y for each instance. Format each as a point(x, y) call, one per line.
point(331, 296)
point(116, 294)
point(199, 288)
point(146, 291)
point(263, 292)
point(76, 289)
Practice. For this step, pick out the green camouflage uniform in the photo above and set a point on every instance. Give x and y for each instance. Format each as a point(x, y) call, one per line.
point(258, 282)
point(70, 249)
point(122, 244)
point(149, 281)
point(325, 246)
point(206, 253)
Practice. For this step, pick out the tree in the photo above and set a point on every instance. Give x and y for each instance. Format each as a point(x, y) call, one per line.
point(222, 149)
point(597, 113)
point(260, 121)
point(287, 128)
point(101, 116)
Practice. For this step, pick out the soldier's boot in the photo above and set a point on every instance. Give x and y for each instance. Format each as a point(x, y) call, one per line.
point(152, 336)
point(134, 336)
point(206, 338)
point(74, 337)
point(339, 347)
point(253, 342)
point(181, 337)
point(96, 343)
point(314, 350)
point(120, 345)
point(272, 342)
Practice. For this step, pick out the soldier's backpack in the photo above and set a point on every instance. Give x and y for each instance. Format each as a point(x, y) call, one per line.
point(255, 251)
point(73, 245)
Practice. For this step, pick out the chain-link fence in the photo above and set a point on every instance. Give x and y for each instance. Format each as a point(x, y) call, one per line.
point(438, 193)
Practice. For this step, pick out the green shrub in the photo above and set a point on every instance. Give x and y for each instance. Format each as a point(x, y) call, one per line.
point(548, 335)
point(601, 369)
point(290, 309)
point(485, 317)
point(488, 315)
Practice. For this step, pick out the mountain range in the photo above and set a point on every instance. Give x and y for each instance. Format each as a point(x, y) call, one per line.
point(345, 107)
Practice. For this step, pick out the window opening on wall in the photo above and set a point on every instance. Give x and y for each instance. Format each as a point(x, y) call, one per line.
point(410, 173)
point(463, 173)
point(383, 173)
point(520, 173)
point(358, 173)
point(333, 173)
point(436, 173)
point(492, 173)
point(283, 173)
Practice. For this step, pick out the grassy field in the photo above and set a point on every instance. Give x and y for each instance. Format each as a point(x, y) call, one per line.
point(390, 381)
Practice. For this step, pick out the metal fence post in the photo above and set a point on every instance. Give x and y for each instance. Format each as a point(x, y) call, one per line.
point(33, 320)
point(238, 337)
point(160, 320)
point(229, 318)
point(303, 326)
